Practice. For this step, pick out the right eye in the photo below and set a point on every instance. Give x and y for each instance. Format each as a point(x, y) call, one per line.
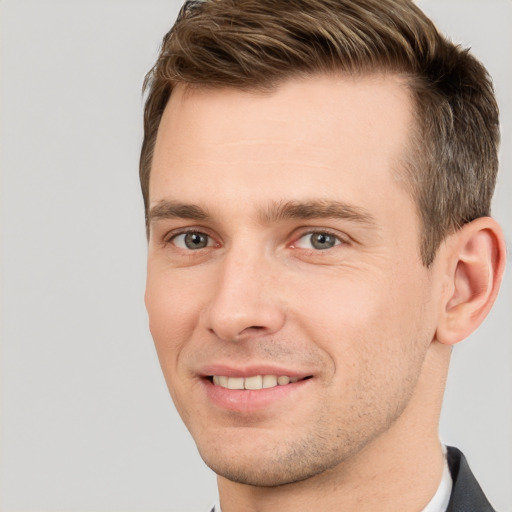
point(319, 240)
point(192, 240)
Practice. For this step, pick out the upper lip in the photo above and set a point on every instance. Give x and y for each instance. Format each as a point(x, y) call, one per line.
point(249, 371)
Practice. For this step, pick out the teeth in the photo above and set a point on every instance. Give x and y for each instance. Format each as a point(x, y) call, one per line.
point(253, 382)
point(235, 383)
point(269, 381)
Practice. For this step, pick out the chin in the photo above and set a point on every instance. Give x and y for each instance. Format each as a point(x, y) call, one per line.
point(267, 474)
point(266, 464)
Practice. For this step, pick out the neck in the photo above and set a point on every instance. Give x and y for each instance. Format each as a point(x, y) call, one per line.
point(400, 470)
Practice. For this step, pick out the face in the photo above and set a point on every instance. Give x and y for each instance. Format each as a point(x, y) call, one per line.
point(286, 295)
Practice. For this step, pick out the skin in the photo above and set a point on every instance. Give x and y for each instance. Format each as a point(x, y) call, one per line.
point(363, 319)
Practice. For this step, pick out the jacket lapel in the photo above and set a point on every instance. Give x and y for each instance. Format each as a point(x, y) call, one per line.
point(467, 495)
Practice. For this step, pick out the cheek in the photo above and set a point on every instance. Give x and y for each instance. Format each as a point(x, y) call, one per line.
point(381, 319)
point(172, 313)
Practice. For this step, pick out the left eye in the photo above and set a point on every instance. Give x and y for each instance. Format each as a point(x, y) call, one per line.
point(192, 240)
point(318, 240)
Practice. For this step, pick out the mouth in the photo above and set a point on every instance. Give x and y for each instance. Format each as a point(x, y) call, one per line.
point(253, 391)
point(254, 382)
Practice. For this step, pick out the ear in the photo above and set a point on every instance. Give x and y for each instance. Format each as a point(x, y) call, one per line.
point(475, 260)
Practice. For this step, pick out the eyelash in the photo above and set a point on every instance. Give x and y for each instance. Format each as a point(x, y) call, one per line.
point(172, 236)
point(338, 239)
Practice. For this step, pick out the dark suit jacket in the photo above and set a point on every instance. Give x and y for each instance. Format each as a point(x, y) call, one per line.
point(467, 495)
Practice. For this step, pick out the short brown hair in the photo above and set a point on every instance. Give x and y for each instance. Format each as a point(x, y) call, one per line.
point(257, 44)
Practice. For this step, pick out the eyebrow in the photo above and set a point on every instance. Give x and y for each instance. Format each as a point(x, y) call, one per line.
point(176, 210)
point(317, 209)
point(274, 212)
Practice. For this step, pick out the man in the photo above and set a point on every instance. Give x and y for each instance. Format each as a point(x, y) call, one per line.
point(317, 177)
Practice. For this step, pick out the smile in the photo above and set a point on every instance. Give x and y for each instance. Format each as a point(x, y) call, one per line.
point(254, 382)
point(250, 391)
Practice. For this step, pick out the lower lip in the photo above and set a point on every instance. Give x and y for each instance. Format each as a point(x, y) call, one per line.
point(251, 400)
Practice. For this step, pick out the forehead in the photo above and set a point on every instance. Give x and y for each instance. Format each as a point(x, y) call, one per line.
point(324, 136)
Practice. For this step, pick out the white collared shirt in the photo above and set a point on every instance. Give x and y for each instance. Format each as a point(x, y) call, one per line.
point(439, 503)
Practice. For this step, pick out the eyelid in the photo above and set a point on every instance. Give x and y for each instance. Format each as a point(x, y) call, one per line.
point(299, 233)
point(171, 235)
point(341, 237)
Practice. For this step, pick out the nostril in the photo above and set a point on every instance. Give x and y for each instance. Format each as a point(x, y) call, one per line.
point(246, 333)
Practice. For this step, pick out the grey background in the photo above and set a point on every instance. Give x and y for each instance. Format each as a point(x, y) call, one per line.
point(86, 422)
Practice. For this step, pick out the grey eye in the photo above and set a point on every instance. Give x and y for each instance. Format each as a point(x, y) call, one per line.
point(318, 240)
point(322, 241)
point(192, 240)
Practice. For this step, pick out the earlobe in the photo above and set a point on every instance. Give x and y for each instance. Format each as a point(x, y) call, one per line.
point(476, 261)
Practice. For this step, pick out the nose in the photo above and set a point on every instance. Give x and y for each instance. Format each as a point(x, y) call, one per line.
point(246, 300)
